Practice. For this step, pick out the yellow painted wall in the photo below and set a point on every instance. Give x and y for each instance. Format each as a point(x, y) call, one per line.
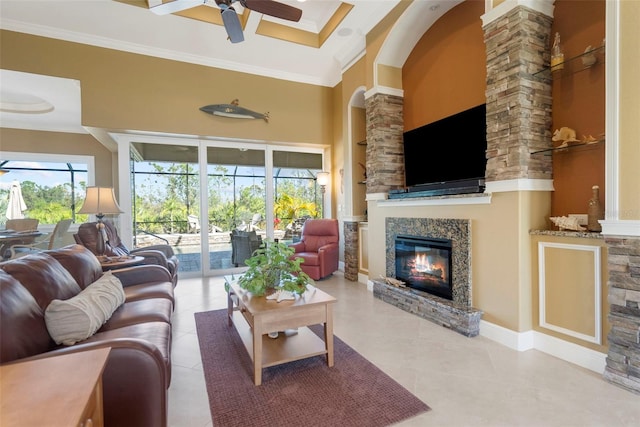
point(629, 109)
point(389, 76)
point(500, 253)
point(359, 158)
point(125, 91)
point(376, 38)
point(29, 141)
point(570, 295)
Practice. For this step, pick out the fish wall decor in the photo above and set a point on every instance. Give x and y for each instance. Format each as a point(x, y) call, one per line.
point(234, 111)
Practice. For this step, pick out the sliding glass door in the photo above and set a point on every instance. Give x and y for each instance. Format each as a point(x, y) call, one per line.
point(165, 182)
point(196, 194)
point(236, 201)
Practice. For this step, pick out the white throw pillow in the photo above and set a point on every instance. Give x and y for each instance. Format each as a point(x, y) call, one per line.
point(78, 318)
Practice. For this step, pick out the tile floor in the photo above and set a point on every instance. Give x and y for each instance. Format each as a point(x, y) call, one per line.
point(466, 381)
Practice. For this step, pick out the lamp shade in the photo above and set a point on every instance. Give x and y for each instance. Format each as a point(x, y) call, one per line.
point(100, 201)
point(323, 178)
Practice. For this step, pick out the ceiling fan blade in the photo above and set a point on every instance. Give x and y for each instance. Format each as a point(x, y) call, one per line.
point(232, 25)
point(273, 8)
point(175, 6)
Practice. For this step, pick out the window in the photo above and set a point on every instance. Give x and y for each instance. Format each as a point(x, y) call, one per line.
point(52, 186)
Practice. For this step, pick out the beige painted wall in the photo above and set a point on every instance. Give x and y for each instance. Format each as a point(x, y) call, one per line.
point(500, 253)
point(125, 91)
point(352, 83)
point(359, 158)
point(571, 305)
point(29, 141)
point(629, 109)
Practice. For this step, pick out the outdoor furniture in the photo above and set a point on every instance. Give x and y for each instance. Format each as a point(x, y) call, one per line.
point(243, 243)
point(194, 223)
point(57, 235)
point(22, 224)
point(318, 247)
point(156, 254)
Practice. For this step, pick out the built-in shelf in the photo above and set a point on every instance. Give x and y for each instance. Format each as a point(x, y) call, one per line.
point(569, 147)
point(571, 65)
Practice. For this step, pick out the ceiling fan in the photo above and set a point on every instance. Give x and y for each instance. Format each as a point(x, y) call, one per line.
point(229, 16)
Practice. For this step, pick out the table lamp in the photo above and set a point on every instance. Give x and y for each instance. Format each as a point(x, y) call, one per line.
point(99, 202)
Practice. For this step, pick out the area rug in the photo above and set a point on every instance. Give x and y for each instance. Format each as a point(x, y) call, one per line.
point(307, 392)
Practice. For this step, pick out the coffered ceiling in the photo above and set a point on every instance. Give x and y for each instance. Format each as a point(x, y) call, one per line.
point(315, 50)
point(329, 37)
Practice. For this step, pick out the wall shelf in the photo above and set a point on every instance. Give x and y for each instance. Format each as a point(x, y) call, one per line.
point(569, 147)
point(572, 65)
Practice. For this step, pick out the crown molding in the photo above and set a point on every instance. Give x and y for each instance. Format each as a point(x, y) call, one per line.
point(108, 43)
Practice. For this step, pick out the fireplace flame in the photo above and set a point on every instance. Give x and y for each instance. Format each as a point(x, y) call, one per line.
point(424, 265)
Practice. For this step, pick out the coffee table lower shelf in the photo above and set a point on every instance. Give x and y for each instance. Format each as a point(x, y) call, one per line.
point(286, 348)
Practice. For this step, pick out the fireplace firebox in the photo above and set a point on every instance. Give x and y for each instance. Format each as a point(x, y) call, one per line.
point(424, 264)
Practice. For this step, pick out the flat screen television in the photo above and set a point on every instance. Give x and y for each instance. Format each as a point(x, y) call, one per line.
point(448, 156)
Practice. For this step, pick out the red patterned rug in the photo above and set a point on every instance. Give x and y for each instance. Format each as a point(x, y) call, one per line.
point(354, 392)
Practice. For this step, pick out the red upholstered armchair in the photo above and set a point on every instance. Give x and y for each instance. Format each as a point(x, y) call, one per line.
point(318, 246)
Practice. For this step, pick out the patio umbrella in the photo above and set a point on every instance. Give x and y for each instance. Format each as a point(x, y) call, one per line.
point(16, 202)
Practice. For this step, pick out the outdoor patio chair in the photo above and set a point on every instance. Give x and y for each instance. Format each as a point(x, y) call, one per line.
point(22, 224)
point(194, 223)
point(243, 243)
point(49, 242)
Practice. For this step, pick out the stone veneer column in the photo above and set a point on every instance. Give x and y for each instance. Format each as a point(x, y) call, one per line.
point(623, 360)
point(351, 268)
point(518, 100)
point(385, 152)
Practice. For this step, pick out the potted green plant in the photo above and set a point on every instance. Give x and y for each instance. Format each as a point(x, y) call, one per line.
point(272, 267)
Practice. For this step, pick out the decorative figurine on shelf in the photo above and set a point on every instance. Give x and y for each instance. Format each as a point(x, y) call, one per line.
point(564, 134)
point(588, 58)
point(557, 57)
point(566, 223)
point(595, 211)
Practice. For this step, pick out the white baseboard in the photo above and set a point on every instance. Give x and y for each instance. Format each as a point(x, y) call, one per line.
point(522, 341)
point(363, 278)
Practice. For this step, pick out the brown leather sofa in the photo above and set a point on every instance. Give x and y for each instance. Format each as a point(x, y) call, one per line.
point(318, 247)
point(138, 371)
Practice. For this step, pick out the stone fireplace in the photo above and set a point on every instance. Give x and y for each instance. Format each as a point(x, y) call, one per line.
point(451, 249)
point(458, 231)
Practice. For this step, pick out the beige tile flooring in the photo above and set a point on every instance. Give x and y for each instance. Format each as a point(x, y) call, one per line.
point(466, 381)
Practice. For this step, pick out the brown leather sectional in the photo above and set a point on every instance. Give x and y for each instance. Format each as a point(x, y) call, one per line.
point(138, 371)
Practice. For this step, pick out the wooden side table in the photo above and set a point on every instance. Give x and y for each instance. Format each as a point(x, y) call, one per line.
point(56, 391)
point(114, 263)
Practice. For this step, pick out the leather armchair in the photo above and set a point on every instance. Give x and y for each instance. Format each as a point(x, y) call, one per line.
point(318, 247)
point(163, 255)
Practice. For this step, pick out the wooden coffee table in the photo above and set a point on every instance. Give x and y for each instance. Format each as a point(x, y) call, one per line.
point(255, 316)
